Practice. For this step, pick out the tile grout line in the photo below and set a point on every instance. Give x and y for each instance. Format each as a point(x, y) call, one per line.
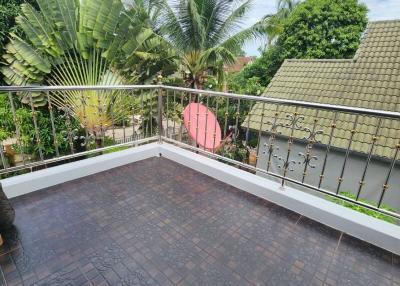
point(87, 278)
point(210, 254)
point(179, 230)
point(151, 262)
point(298, 220)
point(11, 250)
point(3, 276)
point(392, 276)
point(334, 254)
point(339, 241)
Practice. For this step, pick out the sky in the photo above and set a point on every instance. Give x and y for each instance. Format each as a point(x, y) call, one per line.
point(378, 10)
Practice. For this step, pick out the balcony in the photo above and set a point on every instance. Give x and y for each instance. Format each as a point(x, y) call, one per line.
point(155, 208)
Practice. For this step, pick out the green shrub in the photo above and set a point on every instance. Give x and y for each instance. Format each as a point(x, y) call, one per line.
point(27, 129)
point(362, 209)
point(315, 29)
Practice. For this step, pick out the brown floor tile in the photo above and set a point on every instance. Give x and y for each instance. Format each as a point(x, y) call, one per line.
point(156, 222)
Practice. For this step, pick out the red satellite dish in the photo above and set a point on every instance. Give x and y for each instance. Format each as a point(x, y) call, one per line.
point(198, 115)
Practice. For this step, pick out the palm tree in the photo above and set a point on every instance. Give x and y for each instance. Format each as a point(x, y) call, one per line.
point(204, 33)
point(287, 5)
point(86, 42)
point(274, 23)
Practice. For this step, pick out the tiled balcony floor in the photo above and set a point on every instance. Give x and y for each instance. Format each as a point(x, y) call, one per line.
point(159, 223)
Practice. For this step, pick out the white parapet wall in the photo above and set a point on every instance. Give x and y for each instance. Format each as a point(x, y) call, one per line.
point(374, 231)
point(27, 183)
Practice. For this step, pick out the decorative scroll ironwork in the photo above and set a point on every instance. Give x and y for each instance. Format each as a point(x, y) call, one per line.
point(237, 115)
point(271, 146)
point(174, 121)
point(112, 120)
point(206, 126)
point(197, 117)
point(215, 126)
point(134, 134)
point(70, 134)
point(36, 127)
point(286, 163)
point(295, 124)
point(312, 139)
point(294, 120)
point(85, 123)
point(181, 125)
point(313, 133)
point(226, 117)
point(3, 159)
point(167, 115)
point(260, 130)
point(101, 110)
point(142, 114)
point(17, 126)
point(308, 158)
point(151, 114)
point(248, 124)
point(53, 128)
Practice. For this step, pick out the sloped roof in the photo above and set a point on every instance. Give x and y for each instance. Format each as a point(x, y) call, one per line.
point(239, 64)
point(370, 80)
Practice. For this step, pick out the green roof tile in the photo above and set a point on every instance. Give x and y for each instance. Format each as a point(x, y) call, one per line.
point(370, 80)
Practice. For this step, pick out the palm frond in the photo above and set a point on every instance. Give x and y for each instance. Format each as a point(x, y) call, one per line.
point(85, 42)
point(232, 23)
point(238, 39)
point(27, 55)
point(60, 15)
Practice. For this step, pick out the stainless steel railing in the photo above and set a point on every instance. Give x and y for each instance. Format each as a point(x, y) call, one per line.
point(75, 122)
point(346, 153)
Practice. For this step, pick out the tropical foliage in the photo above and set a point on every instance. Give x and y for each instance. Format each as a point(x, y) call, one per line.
point(28, 141)
point(88, 42)
point(274, 23)
point(314, 29)
point(362, 209)
point(238, 84)
point(324, 29)
point(8, 11)
point(206, 34)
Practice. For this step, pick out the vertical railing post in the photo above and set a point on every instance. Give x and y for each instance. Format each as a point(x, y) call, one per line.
point(17, 127)
point(36, 127)
point(346, 157)
point(390, 172)
point(159, 109)
point(2, 156)
point(53, 126)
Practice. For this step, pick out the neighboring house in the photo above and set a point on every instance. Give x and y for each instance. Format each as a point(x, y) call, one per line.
point(239, 64)
point(370, 80)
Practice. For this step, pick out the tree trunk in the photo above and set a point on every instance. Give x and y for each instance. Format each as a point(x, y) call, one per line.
point(99, 143)
point(7, 213)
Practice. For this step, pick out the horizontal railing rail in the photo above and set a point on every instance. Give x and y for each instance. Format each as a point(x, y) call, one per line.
point(47, 125)
point(266, 99)
point(349, 154)
point(76, 88)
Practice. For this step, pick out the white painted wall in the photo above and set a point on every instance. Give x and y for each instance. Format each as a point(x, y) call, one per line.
point(374, 231)
point(27, 183)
